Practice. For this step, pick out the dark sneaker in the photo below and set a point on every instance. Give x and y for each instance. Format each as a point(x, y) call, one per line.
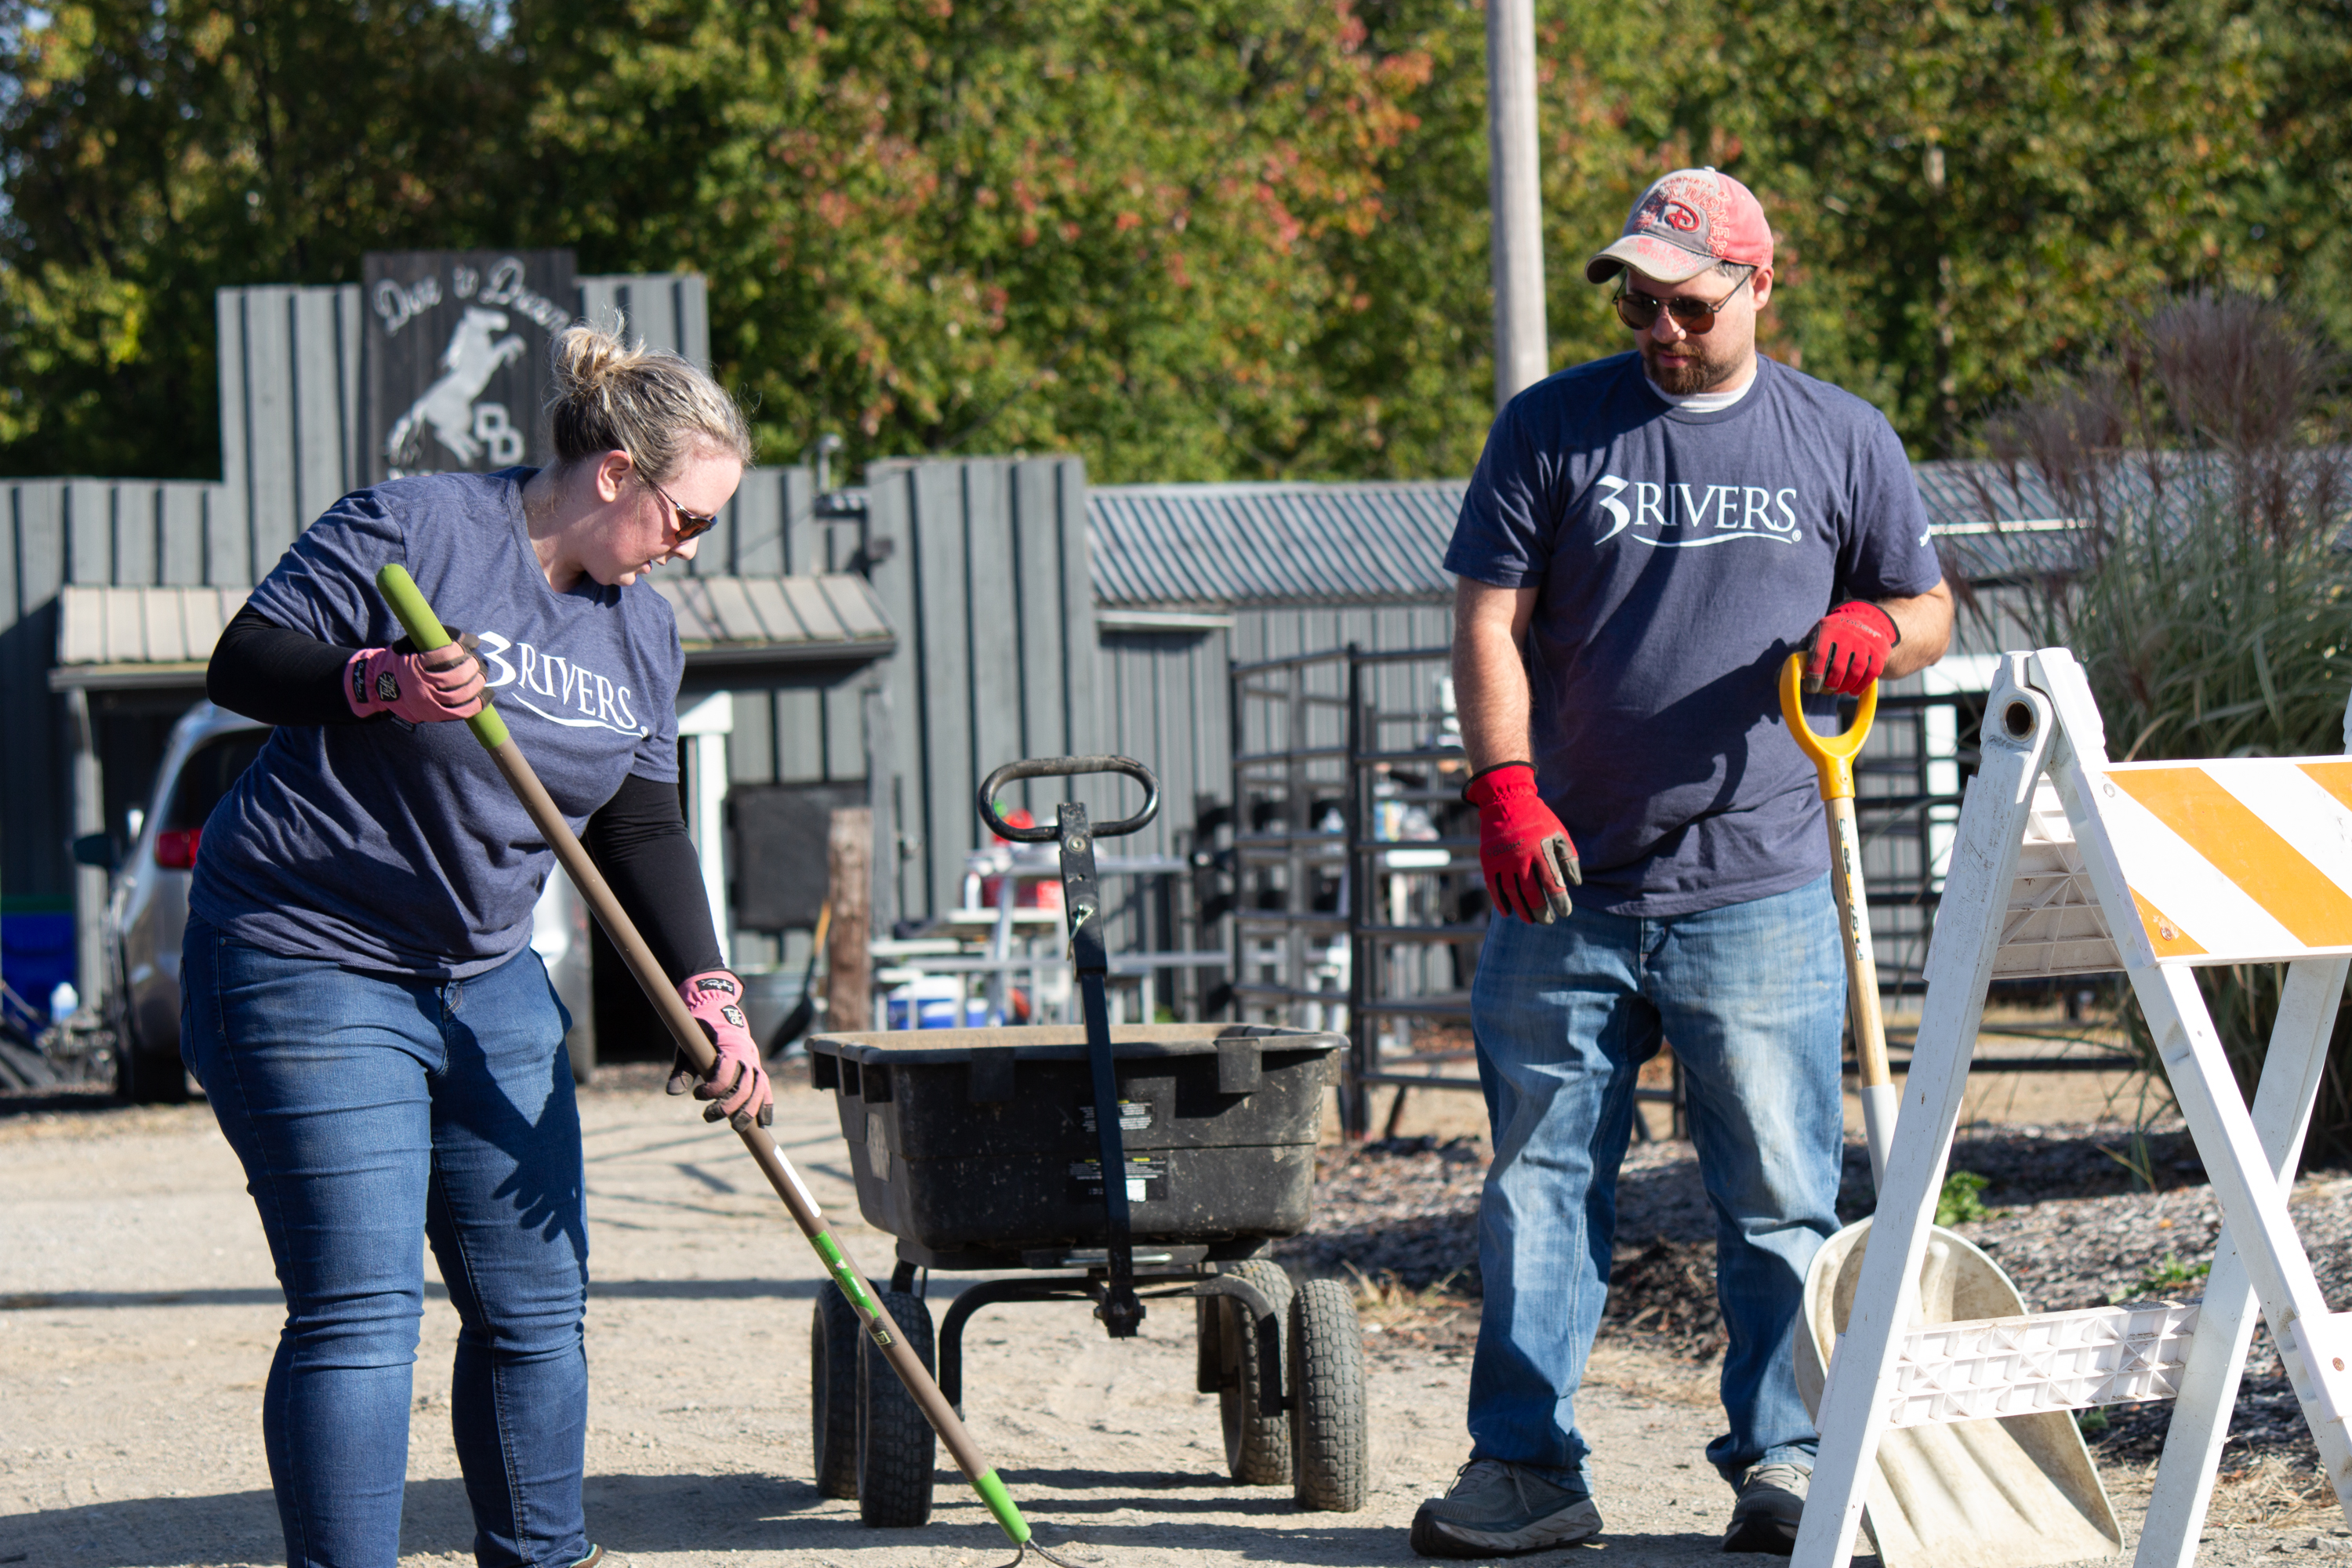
point(1772, 1501)
point(1494, 1508)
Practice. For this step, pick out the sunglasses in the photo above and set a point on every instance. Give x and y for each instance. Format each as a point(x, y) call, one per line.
point(690, 524)
point(1697, 317)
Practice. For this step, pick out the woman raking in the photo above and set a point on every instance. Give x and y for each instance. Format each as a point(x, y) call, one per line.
point(361, 1001)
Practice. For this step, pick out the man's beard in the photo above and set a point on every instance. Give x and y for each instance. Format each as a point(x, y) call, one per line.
point(1696, 375)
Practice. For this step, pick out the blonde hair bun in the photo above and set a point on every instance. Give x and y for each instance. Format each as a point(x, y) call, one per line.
point(612, 396)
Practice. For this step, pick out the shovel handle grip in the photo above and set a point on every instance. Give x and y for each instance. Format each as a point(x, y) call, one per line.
point(423, 628)
point(1831, 756)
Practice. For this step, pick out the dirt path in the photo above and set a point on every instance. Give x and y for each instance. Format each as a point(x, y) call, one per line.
point(138, 1312)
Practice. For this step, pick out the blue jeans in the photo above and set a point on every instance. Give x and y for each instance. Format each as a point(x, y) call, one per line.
point(374, 1115)
point(1753, 996)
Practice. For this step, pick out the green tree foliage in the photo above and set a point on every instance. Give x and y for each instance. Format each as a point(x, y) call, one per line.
point(2210, 607)
point(153, 150)
point(1970, 190)
point(2307, 182)
point(1046, 224)
point(1186, 239)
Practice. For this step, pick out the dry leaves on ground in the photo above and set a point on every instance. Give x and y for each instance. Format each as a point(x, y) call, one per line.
point(1401, 1219)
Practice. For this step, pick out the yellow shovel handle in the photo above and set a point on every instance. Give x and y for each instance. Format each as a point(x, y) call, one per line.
point(1833, 755)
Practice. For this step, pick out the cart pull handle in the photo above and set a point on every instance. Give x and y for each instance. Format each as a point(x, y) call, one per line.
point(1067, 767)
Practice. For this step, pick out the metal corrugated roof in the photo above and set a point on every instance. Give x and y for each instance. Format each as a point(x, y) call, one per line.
point(720, 619)
point(1221, 545)
point(159, 636)
point(1994, 520)
point(1163, 546)
point(1271, 543)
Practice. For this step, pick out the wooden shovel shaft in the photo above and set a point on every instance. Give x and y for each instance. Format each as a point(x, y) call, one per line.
point(1861, 962)
point(425, 631)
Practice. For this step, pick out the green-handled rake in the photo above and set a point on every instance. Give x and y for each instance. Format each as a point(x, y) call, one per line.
point(425, 629)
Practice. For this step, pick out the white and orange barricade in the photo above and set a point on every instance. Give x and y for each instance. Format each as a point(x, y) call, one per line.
point(2067, 863)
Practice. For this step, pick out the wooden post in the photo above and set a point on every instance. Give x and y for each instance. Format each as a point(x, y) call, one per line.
point(848, 963)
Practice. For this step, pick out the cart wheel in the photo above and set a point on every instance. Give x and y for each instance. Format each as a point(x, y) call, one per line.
point(833, 1336)
point(1257, 1448)
point(896, 1449)
point(1327, 1398)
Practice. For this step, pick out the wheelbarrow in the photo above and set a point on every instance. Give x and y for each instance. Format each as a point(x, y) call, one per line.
point(985, 1149)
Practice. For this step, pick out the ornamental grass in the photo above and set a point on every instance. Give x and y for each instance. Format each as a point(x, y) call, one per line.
point(2204, 461)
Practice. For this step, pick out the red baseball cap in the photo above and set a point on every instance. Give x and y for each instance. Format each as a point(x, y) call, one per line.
point(1684, 225)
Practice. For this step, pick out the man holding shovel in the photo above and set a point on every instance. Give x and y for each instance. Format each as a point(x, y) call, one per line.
point(1646, 539)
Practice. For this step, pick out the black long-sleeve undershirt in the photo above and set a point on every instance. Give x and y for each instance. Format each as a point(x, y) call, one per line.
point(276, 675)
point(637, 839)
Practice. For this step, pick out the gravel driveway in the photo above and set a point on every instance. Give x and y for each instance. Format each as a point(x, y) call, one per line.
point(138, 1312)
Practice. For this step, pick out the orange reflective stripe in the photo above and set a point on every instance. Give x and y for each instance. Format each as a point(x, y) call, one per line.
point(2163, 933)
point(2335, 778)
point(2227, 836)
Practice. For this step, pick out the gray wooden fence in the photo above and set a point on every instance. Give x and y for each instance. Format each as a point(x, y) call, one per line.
point(52, 532)
point(289, 390)
point(796, 736)
point(984, 572)
point(291, 418)
point(986, 581)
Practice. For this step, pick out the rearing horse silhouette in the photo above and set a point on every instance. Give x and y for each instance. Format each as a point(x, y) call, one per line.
point(472, 357)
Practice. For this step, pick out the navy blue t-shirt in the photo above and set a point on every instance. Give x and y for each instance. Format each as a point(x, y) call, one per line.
point(399, 849)
point(1679, 558)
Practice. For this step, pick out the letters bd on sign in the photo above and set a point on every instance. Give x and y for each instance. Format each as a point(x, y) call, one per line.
point(456, 357)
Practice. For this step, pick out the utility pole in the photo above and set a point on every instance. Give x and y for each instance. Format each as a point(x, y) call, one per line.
point(1522, 358)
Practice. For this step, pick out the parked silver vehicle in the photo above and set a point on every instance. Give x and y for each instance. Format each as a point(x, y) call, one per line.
point(148, 912)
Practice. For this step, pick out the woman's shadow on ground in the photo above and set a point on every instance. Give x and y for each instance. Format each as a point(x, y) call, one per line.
point(665, 1513)
point(625, 1513)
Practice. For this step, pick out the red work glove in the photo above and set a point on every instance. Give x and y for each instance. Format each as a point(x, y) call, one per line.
point(1849, 647)
point(422, 688)
point(737, 1084)
point(1524, 851)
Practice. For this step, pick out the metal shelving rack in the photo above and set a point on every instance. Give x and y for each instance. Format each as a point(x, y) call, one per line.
point(1327, 747)
point(1013, 940)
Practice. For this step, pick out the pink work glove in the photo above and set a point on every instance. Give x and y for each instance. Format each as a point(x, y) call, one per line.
point(422, 688)
point(737, 1083)
point(1526, 854)
point(1849, 647)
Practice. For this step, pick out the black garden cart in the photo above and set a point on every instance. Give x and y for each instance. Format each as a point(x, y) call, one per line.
point(983, 1150)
